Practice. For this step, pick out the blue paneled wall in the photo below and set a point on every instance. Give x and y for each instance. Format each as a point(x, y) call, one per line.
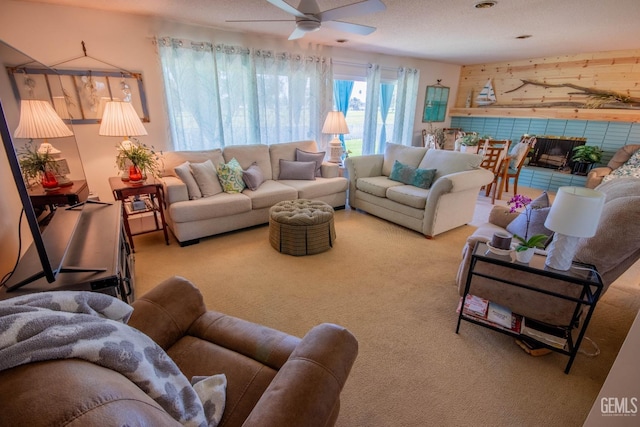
point(607, 135)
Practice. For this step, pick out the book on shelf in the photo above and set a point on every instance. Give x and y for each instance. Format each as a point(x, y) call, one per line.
point(515, 323)
point(476, 305)
point(499, 314)
point(554, 336)
point(533, 348)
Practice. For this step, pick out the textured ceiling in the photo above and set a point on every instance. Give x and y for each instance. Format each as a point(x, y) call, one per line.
point(450, 31)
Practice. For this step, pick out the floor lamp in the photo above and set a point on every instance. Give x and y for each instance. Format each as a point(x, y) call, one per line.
point(575, 213)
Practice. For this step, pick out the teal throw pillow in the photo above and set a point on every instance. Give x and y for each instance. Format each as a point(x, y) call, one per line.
point(230, 176)
point(422, 178)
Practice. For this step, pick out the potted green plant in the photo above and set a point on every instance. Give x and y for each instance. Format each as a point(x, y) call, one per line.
point(584, 157)
point(469, 142)
point(139, 160)
point(38, 167)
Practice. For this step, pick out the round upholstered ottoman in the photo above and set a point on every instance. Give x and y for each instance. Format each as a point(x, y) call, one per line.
point(301, 227)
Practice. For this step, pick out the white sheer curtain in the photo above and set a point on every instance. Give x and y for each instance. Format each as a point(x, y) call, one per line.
point(370, 133)
point(220, 95)
point(406, 98)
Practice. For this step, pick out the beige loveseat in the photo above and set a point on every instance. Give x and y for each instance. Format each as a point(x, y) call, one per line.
point(190, 218)
point(448, 203)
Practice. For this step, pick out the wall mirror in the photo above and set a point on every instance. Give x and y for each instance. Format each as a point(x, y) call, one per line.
point(435, 103)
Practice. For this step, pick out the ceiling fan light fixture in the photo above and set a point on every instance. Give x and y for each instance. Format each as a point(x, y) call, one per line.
point(485, 4)
point(308, 25)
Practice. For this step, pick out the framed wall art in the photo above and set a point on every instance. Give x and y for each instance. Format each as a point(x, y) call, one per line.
point(435, 103)
point(79, 96)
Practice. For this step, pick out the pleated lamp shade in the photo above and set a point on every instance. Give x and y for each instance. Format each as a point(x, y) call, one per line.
point(38, 120)
point(120, 119)
point(335, 123)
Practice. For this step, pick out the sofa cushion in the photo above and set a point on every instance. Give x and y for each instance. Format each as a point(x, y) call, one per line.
point(408, 155)
point(270, 193)
point(376, 185)
point(537, 212)
point(297, 170)
point(307, 156)
point(320, 187)
point(247, 155)
point(218, 206)
point(409, 175)
point(287, 151)
point(447, 162)
point(253, 177)
point(205, 175)
point(409, 195)
point(171, 159)
point(184, 173)
point(230, 176)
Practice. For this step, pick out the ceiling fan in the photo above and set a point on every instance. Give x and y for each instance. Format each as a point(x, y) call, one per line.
point(308, 17)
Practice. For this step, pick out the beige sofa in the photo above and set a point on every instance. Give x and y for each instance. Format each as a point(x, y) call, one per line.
point(595, 176)
point(449, 202)
point(191, 219)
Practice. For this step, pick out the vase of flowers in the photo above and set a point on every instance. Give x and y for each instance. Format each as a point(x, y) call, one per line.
point(139, 160)
point(38, 167)
point(526, 245)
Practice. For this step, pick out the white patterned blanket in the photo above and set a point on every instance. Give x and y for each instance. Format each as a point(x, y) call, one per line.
point(91, 326)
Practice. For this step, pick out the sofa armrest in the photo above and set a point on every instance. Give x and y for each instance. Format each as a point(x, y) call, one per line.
point(174, 189)
point(330, 170)
point(166, 312)
point(364, 166)
point(322, 361)
point(458, 181)
point(595, 175)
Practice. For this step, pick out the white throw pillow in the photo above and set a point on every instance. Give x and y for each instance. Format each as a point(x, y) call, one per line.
point(184, 173)
point(207, 178)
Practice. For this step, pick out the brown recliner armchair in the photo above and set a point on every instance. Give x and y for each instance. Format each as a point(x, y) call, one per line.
point(595, 175)
point(273, 379)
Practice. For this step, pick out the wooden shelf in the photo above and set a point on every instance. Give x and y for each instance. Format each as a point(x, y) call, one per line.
point(610, 115)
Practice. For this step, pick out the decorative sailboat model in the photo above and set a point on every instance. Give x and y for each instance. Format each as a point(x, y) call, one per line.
point(486, 96)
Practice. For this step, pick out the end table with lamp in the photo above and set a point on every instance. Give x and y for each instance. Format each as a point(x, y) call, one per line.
point(150, 195)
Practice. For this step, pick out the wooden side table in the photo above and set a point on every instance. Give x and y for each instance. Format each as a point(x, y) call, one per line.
point(123, 190)
point(75, 193)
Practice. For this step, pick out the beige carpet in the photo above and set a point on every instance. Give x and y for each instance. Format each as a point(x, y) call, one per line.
point(395, 291)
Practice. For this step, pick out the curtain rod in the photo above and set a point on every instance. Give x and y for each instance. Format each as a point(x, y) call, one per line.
point(359, 64)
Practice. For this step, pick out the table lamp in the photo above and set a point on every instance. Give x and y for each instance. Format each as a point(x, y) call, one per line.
point(38, 120)
point(335, 124)
point(121, 119)
point(575, 213)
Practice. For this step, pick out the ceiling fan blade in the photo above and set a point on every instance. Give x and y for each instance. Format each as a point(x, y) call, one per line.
point(260, 20)
point(297, 34)
point(349, 27)
point(351, 10)
point(287, 8)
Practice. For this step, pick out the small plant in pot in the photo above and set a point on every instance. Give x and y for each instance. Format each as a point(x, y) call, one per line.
point(584, 157)
point(38, 167)
point(138, 160)
point(468, 142)
point(526, 245)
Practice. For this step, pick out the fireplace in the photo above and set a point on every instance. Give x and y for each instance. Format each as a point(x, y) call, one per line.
point(555, 152)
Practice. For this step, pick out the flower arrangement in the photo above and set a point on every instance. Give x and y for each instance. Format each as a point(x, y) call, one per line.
point(35, 164)
point(537, 240)
point(139, 155)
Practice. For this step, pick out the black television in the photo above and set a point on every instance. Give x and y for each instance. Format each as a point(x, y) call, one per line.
point(45, 256)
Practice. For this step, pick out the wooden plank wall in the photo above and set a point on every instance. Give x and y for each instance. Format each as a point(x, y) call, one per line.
point(617, 71)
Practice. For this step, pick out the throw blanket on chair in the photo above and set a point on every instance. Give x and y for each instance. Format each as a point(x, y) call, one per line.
point(91, 326)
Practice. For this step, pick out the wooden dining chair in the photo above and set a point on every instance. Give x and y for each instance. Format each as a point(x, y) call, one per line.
point(494, 155)
point(517, 157)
